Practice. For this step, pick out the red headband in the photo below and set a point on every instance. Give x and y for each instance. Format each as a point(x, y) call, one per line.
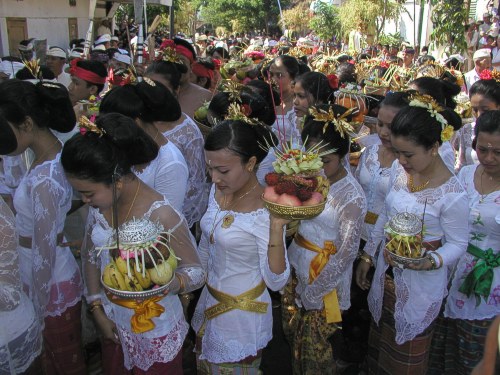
point(184, 51)
point(86, 75)
point(202, 71)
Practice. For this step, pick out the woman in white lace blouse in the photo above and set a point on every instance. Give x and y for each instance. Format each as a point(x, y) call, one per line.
point(473, 301)
point(405, 302)
point(20, 331)
point(314, 307)
point(98, 163)
point(50, 275)
point(240, 255)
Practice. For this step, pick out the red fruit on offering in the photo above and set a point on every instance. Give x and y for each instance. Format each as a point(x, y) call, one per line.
point(316, 198)
point(289, 200)
point(304, 194)
point(270, 195)
point(286, 187)
point(272, 179)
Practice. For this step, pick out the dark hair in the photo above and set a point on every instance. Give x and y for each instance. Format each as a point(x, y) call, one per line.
point(96, 67)
point(47, 104)
point(25, 74)
point(259, 107)
point(264, 89)
point(425, 59)
point(221, 51)
point(396, 99)
point(144, 101)
point(315, 131)
point(418, 125)
point(185, 43)
point(97, 158)
point(442, 91)
point(290, 63)
point(317, 85)
point(170, 71)
point(346, 73)
point(488, 88)
point(241, 138)
point(488, 122)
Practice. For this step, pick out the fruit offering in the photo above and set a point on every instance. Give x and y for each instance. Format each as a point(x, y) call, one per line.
point(295, 190)
point(144, 260)
point(404, 235)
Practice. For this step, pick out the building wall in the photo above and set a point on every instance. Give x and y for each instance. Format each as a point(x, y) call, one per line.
point(45, 19)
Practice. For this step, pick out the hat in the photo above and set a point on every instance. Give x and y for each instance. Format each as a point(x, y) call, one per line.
point(26, 45)
point(104, 38)
point(202, 37)
point(99, 47)
point(56, 52)
point(75, 53)
point(486, 14)
point(481, 54)
point(115, 38)
point(122, 58)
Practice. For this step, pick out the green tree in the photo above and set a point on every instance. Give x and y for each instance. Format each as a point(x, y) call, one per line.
point(448, 20)
point(297, 18)
point(325, 22)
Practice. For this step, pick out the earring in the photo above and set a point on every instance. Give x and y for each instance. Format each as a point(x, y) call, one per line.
point(434, 154)
point(250, 169)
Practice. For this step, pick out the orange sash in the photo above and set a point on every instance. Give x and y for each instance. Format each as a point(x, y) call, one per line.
point(330, 300)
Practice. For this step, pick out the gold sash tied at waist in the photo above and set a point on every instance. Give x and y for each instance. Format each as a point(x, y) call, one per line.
point(144, 311)
point(244, 301)
point(330, 300)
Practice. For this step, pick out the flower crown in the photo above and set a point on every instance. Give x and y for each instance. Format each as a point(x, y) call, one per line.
point(232, 88)
point(490, 74)
point(427, 102)
point(86, 125)
point(241, 112)
point(169, 52)
point(34, 68)
point(340, 123)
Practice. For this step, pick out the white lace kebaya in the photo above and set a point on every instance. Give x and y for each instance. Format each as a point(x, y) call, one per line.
point(235, 262)
point(20, 330)
point(167, 174)
point(49, 272)
point(188, 138)
point(162, 343)
point(341, 223)
point(419, 294)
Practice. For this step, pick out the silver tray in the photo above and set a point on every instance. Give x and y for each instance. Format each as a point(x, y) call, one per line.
point(137, 295)
point(404, 262)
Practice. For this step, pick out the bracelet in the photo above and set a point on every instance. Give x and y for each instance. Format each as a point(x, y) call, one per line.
point(181, 283)
point(94, 297)
point(440, 258)
point(433, 262)
point(367, 259)
point(97, 304)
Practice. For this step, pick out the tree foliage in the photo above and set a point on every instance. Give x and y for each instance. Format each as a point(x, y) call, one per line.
point(297, 18)
point(325, 22)
point(372, 14)
point(448, 19)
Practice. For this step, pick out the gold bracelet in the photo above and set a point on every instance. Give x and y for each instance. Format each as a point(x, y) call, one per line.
point(181, 283)
point(433, 261)
point(367, 259)
point(97, 304)
point(440, 259)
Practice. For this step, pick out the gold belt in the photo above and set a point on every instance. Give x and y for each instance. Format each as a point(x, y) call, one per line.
point(244, 301)
point(330, 300)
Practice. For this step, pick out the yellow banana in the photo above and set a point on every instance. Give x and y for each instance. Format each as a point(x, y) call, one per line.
point(121, 264)
point(145, 281)
point(132, 284)
point(113, 278)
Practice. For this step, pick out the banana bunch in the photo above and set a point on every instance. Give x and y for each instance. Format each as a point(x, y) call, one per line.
point(405, 246)
point(116, 276)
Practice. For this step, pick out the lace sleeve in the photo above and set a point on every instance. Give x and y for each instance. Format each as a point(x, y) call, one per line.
point(351, 220)
point(10, 283)
point(189, 268)
point(261, 232)
point(197, 190)
point(91, 263)
point(454, 221)
point(171, 182)
point(203, 250)
point(46, 195)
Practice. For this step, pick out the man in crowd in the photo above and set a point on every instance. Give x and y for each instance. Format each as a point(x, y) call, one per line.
point(55, 60)
point(482, 61)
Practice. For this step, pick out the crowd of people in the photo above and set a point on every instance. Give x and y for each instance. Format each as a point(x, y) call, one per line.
point(185, 142)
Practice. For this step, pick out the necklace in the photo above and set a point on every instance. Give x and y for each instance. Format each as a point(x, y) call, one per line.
point(484, 196)
point(228, 218)
point(41, 157)
point(415, 189)
point(131, 205)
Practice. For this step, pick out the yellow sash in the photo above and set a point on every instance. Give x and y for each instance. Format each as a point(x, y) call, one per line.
point(330, 300)
point(144, 311)
point(244, 301)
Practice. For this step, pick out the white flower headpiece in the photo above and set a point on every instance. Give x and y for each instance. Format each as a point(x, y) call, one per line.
point(428, 102)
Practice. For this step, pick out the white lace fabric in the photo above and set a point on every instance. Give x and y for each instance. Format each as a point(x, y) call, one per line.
point(286, 127)
point(163, 342)
point(236, 262)
point(419, 294)
point(167, 174)
point(20, 331)
point(484, 232)
point(374, 180)
point(341, 223)
point(12, 170)
point(188, 138)
point(447, 154)
point(466, 154)
point(50, 274)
